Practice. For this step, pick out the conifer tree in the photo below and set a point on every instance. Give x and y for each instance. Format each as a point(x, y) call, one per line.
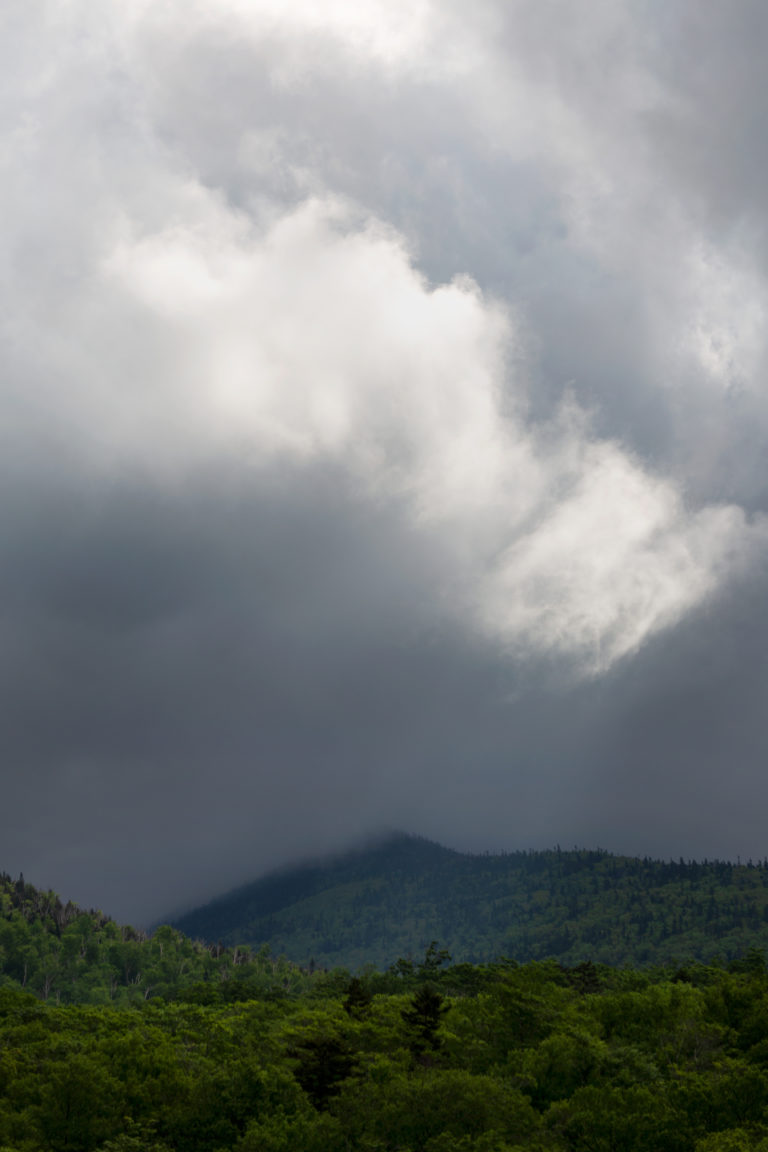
point(422, 1016)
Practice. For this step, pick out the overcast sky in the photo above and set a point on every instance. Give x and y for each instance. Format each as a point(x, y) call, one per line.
point(384, 433)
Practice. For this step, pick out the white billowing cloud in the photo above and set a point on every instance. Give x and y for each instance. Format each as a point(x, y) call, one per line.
point(316, 339)
point(577, 103)
point(387, 32)
point(305, 39)
point(151, 325)
point(611, 563)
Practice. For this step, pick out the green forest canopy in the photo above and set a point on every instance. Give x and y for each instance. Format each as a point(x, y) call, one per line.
point(111, 1041)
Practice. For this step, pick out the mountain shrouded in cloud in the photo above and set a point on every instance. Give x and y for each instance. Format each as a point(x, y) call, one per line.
point(383, 436)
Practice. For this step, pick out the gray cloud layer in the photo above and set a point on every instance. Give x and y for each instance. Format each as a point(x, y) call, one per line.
point(384, 433)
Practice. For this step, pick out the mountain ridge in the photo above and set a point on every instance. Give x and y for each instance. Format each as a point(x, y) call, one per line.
point(392, 898)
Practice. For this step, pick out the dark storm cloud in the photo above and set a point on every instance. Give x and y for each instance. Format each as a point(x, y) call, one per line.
point(302, 540)
point(200, 686)
point(193, 683)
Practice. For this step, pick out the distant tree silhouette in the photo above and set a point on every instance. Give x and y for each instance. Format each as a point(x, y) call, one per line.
point(434, 958)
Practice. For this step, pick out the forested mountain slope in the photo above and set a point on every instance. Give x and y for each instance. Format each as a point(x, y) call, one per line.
point(60, 952)
point(372, 906)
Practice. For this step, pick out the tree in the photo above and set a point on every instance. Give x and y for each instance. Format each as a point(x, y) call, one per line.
point(358, 999)
point(422, 1017)
point(434, 958)
point(323, 1063)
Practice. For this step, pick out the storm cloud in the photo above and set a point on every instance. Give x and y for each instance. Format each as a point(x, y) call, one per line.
point(383, 437)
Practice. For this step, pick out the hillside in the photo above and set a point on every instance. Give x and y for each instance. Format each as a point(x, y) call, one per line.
point(60, 952)
point(374, 905)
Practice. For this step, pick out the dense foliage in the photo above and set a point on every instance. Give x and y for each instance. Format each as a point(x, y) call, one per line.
point(492, 1058)
point(392, 899)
